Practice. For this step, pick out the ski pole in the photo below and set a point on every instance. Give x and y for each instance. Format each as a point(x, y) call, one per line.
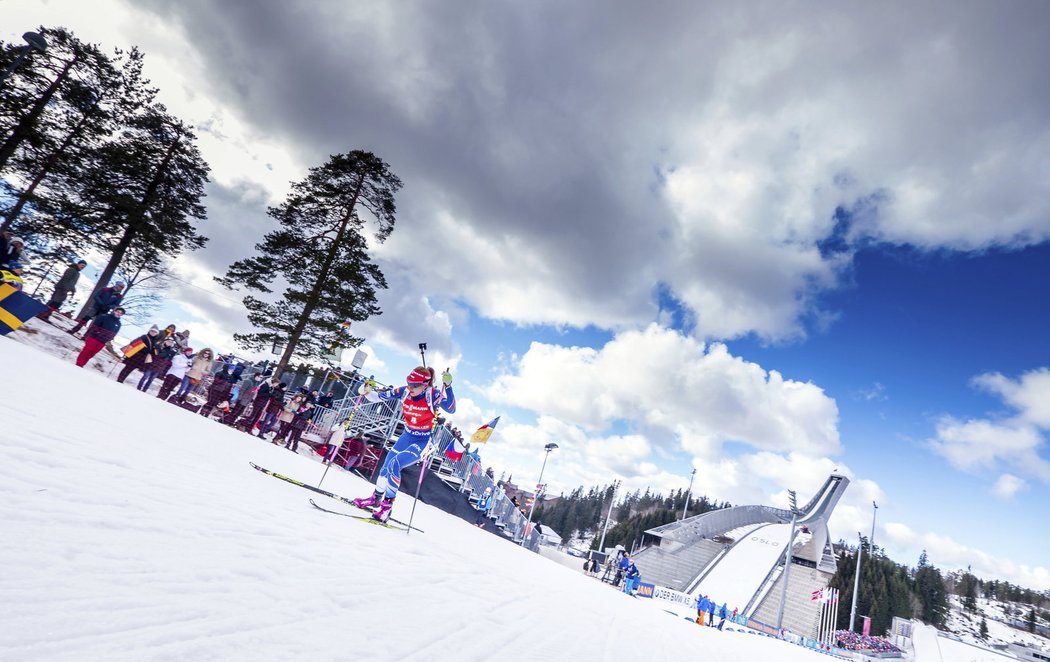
point(335, 450)
point(422, 471)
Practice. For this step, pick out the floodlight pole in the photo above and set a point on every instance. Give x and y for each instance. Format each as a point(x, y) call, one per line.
point(787, 560)
point(612, 501)
point(689, 493)
point(35, 42)
point(860, 551)
point(549, 447)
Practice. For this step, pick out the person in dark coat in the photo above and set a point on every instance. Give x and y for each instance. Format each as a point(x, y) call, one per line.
point(102, 330)
point(259, 400)
point(65, 287)
point(218, 391)
point(106, 300)
point(299, 423)
point(243, 399)
point(10, 248)
point(159, 366)
point(274, 405)
point(143, 358)
point(326, 400)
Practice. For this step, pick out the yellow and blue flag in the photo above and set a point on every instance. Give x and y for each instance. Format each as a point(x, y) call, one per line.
point(16, 308)
point(484, 432)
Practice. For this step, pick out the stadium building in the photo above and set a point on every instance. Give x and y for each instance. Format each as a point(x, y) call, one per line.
point(737, 556)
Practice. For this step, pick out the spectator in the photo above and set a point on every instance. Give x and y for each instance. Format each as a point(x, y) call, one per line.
point(102, 330)
point(180, 363)
point(103, 302)
point(160, 365)
point(701, 609)
point(723, 611)
point(182, 339)
point(632, 577)
point(711, 613)
point(201, 366)
point(140, 359)
point(65, 287)
point(287, 414)
point(245, 394)
point(169, 332)
point(260, 396)
point(12, 275)
point(484, 503)
point(622, 565)
point(299, 423)
point(274, 405)
point(10, 249)
point(5, 245)
point(219, 391)
point(326, 400)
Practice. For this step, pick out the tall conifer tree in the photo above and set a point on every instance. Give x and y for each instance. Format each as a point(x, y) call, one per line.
point(321, 251)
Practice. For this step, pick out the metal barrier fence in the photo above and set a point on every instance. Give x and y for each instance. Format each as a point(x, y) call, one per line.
point(384, 421)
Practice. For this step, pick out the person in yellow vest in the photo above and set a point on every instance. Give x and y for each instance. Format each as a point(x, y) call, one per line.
point(12, 275)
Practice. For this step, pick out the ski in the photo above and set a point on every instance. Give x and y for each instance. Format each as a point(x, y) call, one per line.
point(362, 518)
point(320, 491)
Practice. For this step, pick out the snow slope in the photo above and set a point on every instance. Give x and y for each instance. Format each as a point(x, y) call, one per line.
point(135, 530)
point(734, 578)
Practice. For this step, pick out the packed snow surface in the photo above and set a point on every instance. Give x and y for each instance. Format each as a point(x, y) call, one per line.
point(135, 530)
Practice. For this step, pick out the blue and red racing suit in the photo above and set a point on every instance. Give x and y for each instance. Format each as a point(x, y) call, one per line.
point(419, 413)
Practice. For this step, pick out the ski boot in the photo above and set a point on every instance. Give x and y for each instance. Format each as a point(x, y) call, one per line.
point(382, 513)
point(370, 502)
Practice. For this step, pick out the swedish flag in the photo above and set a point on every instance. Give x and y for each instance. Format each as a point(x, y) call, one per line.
point(16, 308)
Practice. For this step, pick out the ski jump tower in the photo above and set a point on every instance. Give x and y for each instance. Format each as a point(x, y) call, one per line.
point(736, 556)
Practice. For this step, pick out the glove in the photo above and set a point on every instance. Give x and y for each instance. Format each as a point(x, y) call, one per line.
point(446, 378)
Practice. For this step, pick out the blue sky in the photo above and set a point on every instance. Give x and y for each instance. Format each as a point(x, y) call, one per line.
point(762, 241)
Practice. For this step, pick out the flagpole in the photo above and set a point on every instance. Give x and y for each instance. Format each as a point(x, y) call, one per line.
point(835, 618)
point(823, 633)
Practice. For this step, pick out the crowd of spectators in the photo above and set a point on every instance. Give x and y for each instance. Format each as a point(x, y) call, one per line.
point(849, 640)
point(235, 392)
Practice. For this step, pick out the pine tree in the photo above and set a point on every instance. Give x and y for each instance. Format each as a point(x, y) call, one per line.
point(1030, 620)
point(321, 251)
point(983, 632)
point(968, 589)
point(146, 186)
point(87, 108)
point(932, 594)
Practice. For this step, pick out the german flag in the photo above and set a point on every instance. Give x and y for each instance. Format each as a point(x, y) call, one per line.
point(134, 347)
point(16, 308)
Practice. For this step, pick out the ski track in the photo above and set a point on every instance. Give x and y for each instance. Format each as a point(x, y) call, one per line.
point(133, 530)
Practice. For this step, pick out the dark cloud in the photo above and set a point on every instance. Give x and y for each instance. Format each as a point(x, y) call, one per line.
point(603, 148)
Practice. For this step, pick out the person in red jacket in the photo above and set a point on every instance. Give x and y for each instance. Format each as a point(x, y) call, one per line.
point(101, 331)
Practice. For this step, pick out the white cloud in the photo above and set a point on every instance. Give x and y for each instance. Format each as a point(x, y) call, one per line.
point(1015, 441)
point(1008, 485)
point(947, 553)
point(700, 395)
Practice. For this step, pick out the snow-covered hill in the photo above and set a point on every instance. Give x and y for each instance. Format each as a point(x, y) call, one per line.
point(967, 626)
point(136, 530)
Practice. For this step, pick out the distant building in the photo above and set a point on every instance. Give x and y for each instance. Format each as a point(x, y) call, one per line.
point(737, 556)
point(548, 536)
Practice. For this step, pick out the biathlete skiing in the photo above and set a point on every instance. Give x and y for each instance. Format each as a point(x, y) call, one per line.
point(419, 403)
